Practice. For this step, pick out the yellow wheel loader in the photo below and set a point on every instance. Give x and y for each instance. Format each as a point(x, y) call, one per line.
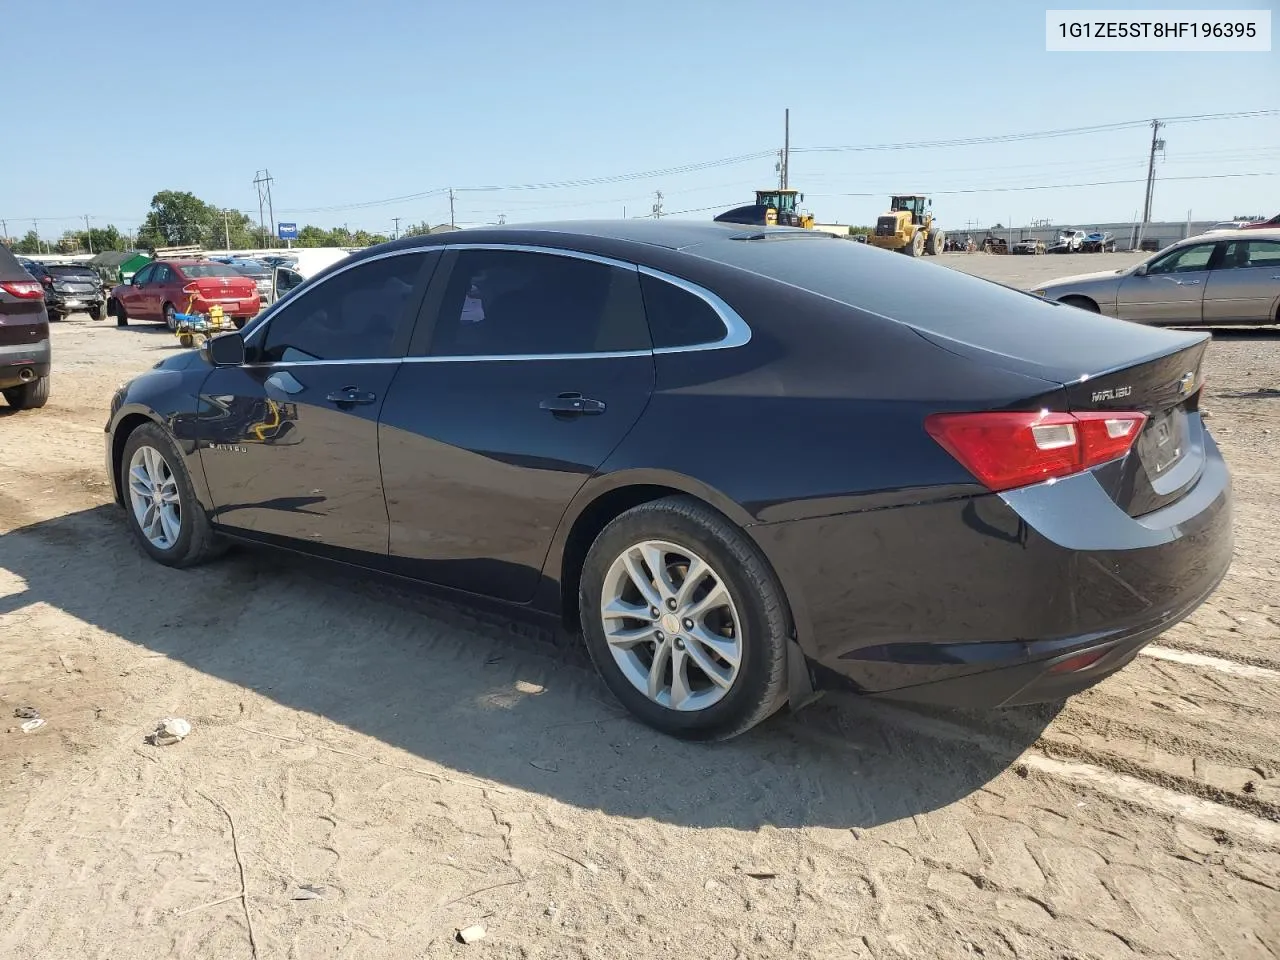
point(773, 208)
point(908, 227)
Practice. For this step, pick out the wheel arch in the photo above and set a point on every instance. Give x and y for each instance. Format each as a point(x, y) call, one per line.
point(127, 421)
point(1081, 301)
point(609, 496)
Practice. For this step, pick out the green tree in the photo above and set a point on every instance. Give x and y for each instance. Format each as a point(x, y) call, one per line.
point(416, 230)
point(28, 244)
point(179, 218)
point(312, 236)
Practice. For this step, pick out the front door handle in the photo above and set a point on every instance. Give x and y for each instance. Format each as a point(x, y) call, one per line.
point(350, 395)
point(572, 405)
point(1187, 283)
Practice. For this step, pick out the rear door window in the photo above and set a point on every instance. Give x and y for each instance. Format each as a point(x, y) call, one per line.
point(506, 303)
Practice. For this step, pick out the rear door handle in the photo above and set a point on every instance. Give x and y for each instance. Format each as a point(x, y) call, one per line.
point(351, 395)
point(573, 405)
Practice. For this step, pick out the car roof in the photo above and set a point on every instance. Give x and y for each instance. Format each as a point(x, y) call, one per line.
point(1267, 233)
point(671, 234)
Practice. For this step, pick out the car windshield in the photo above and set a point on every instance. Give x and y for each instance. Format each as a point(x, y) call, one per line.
point(197, 270)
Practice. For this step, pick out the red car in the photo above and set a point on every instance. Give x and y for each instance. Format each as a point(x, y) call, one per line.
point(167, 287)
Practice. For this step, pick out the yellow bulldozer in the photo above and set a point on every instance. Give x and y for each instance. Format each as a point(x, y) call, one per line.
point(908, 227)
point(773, 208)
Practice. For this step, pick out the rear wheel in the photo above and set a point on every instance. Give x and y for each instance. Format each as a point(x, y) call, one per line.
point(96, 312)
point(170, 317)
point(916, 247)
point(684, 620)
point(936, 240)
point(29, 396)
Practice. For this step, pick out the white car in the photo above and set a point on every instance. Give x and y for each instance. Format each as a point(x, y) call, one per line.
point(1069, 241)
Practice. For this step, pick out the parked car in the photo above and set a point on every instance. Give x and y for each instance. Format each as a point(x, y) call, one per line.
point(1274, 222)
point(1031, 245)
point(628, 425)
point(258, 272)
point(164, 288)
point(24, 336)
point(1212, 279)
point(1099, 242)
point(71, 287)
point(1228, 225)
point(1068, 241)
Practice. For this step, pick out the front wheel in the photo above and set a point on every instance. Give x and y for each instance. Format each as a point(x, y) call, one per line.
point(916, 247)
point(1084, 303)
point(96, 312)
point(936, 240)
point(685, 621)
point(164, 513)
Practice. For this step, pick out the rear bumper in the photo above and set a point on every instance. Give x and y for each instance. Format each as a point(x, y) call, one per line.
point(63, 302)
point(20, 363)
point(974, 601)
point(230, 308)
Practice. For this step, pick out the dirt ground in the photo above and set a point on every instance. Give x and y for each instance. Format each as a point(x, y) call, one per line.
point(427, 768)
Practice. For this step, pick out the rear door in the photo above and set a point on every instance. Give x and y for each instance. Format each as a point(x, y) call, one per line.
point(1172, 289)
point(289, 440)
point(527, 370)
point(1245, 288)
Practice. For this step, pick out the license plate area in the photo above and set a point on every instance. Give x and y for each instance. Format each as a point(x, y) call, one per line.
point(1164, 441)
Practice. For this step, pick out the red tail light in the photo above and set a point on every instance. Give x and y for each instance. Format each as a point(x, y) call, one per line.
point(22, 289)
point(1007, 450)
point(47, 281)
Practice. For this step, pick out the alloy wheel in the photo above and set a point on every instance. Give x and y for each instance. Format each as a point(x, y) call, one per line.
point(153, 495)
point(671, 625)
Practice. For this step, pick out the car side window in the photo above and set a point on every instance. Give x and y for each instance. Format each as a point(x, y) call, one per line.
point(678, 318)
point(161, 274)
point(1252, 253)
point(354, 315)
point(144, 275)
point(1194, 257)
point(516, 303)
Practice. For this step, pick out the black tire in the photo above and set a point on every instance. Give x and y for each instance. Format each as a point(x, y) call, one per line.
point(170, 317)
point(935, 242)
point(29, 396)
point(196, 542)
point(55, 317)
point(96, 312)
point(760, 688)
point(122, 315)
point(1084, 303)
point(916, 247)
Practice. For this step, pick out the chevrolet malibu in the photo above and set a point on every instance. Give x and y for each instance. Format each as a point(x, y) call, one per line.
point(745, 463)
point(1215, 278)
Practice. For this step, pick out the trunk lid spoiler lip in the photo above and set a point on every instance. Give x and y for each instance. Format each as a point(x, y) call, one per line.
point(1028, 367)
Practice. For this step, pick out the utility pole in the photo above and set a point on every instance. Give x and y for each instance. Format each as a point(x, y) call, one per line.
point(452, 221)
point(226, 230)
point(88, 234)
point(262, 180)
point(4, 230)
point(657, 207)
point(1156, 144)
point(786, 149)
point(35, 228)
point(397, 223)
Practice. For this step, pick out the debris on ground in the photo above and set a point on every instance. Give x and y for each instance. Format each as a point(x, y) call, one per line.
point(169, 730)
point(33, 724)
point(471, 934)
point(307, 892)
point(549, 765)
point(756, 873)
point(27, 713)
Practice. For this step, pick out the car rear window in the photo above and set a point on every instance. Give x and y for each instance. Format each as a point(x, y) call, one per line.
point(251, 270)
point(195, 271)
point(61, 271)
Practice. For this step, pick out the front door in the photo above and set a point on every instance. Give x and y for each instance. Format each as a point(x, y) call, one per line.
point(527, 370)
point(1171, 290)
point(136, 297)
point(1245, 288)
point(289, 441)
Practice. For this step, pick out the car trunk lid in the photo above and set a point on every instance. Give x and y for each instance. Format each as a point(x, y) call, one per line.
point(225, 288)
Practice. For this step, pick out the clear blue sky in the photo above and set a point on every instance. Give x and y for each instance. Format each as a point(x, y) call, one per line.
point(349, 103)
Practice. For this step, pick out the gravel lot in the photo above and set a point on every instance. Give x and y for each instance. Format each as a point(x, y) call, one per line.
point(432, 768)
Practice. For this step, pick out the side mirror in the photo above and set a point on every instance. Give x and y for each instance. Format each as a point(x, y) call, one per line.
point(224, 350)
point(1141, 270)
